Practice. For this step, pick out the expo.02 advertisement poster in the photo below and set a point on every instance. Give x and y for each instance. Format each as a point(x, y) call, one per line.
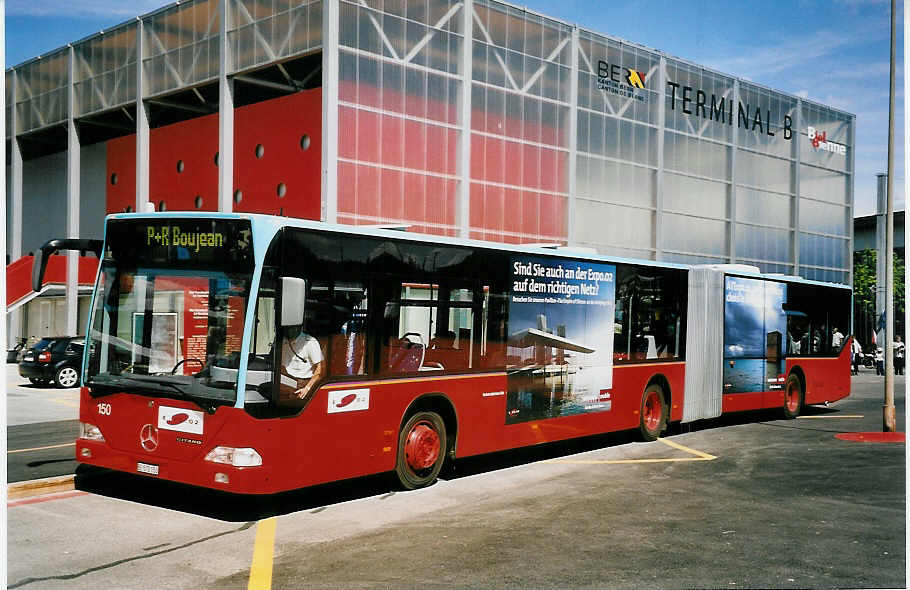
point(560, 349)
point(755, 325)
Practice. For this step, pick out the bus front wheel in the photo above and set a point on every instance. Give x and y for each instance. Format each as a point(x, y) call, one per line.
point(793, 397)
point(421, 450)
point(653, 414)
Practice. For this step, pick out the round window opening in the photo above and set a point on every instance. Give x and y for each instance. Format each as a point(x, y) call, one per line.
point(162, 206)
point(238, 195)
point(114, 178)
point(305, 142)
point(128, 209)
point(179, 166)
point(281, 190)
point(216, 158)
point(198, 202)
point(260, 151)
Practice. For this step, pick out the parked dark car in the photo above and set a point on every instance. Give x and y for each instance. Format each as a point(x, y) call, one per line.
point(57, 359)
point(13, 354)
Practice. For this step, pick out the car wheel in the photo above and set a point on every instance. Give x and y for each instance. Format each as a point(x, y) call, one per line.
point(66, 377)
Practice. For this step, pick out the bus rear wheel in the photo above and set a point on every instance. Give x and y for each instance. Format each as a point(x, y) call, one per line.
point(793, 397)
point(421, 450)
point(653, 414)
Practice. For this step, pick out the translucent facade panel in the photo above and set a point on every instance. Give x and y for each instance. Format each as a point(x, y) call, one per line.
point(823, 251)
point(764, 172)
point(768, 113)
point(42, 87)
point(106, 70)
point(181, 45)
point(704, 109)
point(680, 258)
point(758, 207)
point(615, 182)
point(824, 185)
point(824, 274)
point(265, 30)
point(823, 217)
point(604, 72)
point(693, 235)
point(765, 266)
point(689, 154)
point(695, 196)
point(616, 138)
point(515, 116)
point(763, 243)
point(608, 226)
point(516, 215)
point(521, 52)
point(824, 138)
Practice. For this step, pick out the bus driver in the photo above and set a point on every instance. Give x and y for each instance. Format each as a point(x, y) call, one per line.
point(302, 366)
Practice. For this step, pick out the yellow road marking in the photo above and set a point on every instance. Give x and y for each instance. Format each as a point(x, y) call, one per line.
point(834, 416)
point(263, 549)
point(64, 402)
point(72, 444)
point(699, 456)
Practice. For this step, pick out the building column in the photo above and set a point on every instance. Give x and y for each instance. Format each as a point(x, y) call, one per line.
point(797, 158)
point(463, 197)
point(659, 181)
point(572, 204)
point(330, 22)
point(73, 163)
point(734, 140)
point(142, 124)
point(225, 117)
point(15, 211)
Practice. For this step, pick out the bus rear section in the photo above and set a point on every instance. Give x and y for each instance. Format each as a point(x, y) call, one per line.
point(764, 341)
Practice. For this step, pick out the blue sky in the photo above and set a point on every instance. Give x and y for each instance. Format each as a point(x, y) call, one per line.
point(831, 51)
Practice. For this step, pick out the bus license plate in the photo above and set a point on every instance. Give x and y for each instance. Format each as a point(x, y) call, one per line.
point(147, 468)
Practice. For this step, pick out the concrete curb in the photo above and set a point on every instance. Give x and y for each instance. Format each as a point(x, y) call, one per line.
point(38, 487)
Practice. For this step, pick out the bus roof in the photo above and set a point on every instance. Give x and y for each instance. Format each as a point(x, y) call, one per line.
point(271, 224)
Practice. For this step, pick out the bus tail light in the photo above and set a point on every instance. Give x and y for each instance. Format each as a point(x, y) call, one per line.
point(238, 457)
point(90, 432)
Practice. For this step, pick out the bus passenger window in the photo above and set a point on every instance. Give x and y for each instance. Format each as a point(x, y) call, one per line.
point(348, 334)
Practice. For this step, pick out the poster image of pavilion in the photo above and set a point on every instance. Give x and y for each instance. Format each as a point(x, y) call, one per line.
point(560, 348)
point(755, 325)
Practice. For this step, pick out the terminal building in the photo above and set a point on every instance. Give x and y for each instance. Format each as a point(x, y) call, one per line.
point(470, 118)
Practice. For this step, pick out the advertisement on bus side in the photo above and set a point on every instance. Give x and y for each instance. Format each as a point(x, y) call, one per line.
point(560, 349)
point(755, 325)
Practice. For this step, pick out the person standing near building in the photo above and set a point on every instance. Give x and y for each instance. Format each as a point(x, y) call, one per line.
point(898, 356)
point(857, 351)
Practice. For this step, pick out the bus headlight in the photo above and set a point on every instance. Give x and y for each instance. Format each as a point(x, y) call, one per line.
point(90, 432)
point(238, 457)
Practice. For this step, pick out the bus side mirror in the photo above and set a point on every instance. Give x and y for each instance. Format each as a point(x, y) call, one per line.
point(293, 300)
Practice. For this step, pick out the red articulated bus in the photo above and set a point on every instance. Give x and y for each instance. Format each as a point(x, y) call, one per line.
point(258, 354)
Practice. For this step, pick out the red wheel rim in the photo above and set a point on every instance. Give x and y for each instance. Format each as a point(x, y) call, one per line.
point(421, 448)
point(653, 411)
point(792, 397)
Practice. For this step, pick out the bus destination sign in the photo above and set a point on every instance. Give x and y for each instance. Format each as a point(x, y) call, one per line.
point(167, 235)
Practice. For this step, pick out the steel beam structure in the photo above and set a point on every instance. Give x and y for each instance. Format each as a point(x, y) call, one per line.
point(73, 164)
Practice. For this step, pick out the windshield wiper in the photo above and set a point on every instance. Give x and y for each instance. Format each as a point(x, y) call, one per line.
point(143, 381)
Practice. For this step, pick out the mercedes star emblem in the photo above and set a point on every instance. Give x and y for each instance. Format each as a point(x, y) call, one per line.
point(148, 437)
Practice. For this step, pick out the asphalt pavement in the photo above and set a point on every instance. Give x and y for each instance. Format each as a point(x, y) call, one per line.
point(748, 500)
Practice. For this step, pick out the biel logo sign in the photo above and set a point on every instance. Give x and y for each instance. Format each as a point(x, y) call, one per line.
point(819, 140)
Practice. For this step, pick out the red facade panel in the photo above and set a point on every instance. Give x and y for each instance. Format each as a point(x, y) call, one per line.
point(277, 161)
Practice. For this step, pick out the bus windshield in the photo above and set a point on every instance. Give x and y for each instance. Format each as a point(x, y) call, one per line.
point(166, 318)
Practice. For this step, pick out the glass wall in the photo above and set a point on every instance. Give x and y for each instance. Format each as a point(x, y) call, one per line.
point(485, 120)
